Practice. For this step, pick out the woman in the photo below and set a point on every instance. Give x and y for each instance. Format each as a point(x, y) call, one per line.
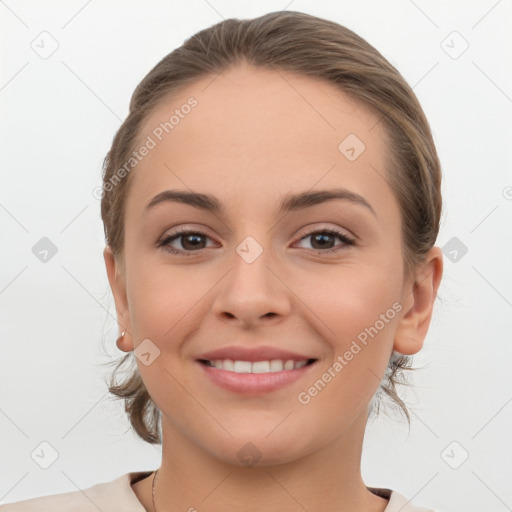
point(271, 205)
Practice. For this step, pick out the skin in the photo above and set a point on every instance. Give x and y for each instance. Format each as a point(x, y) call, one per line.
point(253, 138)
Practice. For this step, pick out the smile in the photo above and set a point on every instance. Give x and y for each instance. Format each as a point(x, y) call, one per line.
point(270, 366)
point(255, 378)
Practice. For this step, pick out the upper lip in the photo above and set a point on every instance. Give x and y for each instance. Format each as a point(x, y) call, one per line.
point(264, 353)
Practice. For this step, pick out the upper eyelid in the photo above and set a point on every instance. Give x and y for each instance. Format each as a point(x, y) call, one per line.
point(308, 230)
point(339, 230)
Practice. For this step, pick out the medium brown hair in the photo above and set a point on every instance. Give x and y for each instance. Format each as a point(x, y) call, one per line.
point(314, 47)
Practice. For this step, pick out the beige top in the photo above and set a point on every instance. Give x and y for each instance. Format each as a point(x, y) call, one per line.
point(118, 496)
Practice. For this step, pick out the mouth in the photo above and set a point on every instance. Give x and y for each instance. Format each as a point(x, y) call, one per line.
point(265, 366)
point(254, 371)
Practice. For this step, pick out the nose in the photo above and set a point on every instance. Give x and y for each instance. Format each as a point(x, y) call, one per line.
point(252, 292)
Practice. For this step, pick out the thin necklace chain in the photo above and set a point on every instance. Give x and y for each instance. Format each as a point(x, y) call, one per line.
point(153, 489)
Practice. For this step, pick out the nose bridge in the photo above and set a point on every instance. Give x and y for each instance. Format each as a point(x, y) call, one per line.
point(251, 290)
point(251, 265)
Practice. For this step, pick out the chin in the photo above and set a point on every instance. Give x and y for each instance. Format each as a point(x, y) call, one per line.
point(255, 448)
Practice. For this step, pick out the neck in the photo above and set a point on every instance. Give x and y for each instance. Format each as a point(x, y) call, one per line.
point(327, 479)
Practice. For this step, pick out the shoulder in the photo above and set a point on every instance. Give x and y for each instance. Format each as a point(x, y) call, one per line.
point(398, 502)
point(106, 496)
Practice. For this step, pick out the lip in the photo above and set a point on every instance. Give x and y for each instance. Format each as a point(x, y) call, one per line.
point(264, 353)
point(253, 384)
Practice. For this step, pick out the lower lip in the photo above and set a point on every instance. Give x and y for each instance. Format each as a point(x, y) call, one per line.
point(253, 383)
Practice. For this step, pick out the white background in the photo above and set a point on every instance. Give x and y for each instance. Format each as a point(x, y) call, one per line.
point(57, 322)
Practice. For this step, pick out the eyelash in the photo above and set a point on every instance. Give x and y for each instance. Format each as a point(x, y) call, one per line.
point(164, 242)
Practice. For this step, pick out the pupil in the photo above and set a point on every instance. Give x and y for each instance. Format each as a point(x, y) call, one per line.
point(321, 236)
point(191, 238)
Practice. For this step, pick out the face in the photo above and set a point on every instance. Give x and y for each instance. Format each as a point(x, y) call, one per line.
point(314, 284)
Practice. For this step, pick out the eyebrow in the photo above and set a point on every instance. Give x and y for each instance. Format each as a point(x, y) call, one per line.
point(290, 202)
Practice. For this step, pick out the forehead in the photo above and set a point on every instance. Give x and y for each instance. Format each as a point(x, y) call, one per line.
point(258, 131)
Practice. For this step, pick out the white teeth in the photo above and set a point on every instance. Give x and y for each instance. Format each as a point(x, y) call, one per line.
point(289, 365)
point(228, 365)
point(260, 367)
point(242, 367)
point(274, 365)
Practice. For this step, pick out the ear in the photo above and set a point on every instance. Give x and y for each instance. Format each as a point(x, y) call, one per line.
point(116, 278)
point(418, 301)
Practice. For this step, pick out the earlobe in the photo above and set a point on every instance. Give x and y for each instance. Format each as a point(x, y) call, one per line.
point(418, 299)
point(123, 344)
point(118, 287)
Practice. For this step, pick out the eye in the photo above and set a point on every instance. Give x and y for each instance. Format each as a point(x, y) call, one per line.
point(189, 240)
point(322, 240)
point(193, 240)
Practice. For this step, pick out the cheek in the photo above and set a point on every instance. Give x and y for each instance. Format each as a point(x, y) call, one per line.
point(164, 304)
point(358, 309)
point(347, 380)
point(350, 299)
point(162, 297)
